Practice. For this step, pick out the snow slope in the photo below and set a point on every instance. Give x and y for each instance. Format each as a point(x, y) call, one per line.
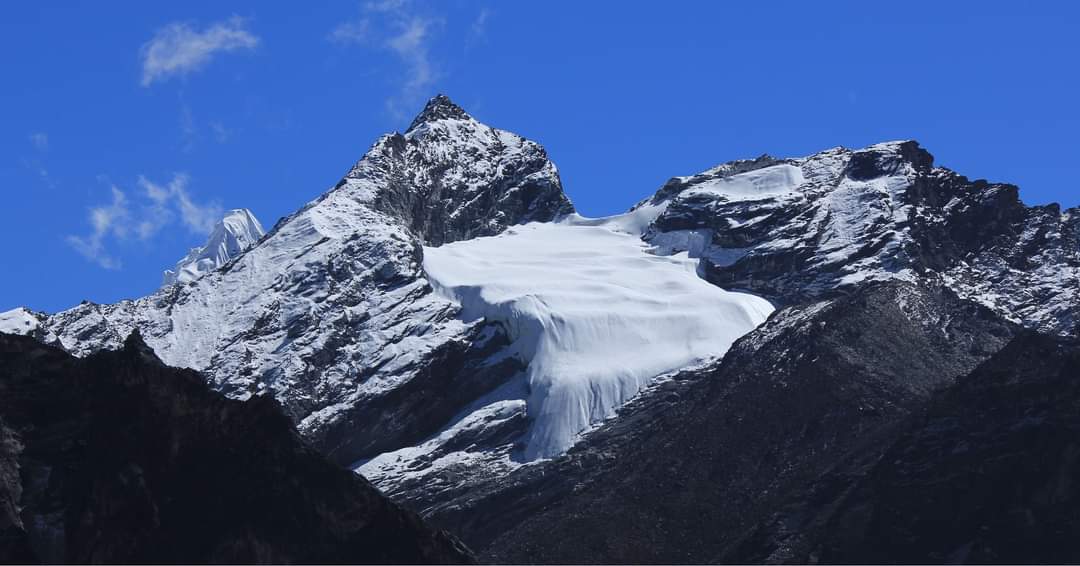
point(768, 182)
point(237, 231)
point(594, 314)
point(18, 321)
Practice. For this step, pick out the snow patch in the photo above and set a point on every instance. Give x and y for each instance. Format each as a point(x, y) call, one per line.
point(18, 321)
point(635, 222)
point(768, 182)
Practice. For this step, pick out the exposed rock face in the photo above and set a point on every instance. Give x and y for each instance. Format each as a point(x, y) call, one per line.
point(796, 230)
point(687, 468)
point(988, 475)
point(330, 312)
point(454, 178)
point(117, 458)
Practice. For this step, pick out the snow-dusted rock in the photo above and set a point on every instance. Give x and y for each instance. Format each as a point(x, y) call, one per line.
point(233, 234)
point(797, 229)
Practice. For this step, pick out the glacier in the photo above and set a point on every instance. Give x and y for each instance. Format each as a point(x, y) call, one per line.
point(592, 311)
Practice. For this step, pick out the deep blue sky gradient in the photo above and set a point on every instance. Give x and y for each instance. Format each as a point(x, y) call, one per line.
point(623, 95)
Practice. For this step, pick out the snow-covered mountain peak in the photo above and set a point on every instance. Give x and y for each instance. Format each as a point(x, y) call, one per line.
point(888, 158)
point(237, 231)
point(331, 311)
point(450, 177)
point(439, 107)
point(799, 229)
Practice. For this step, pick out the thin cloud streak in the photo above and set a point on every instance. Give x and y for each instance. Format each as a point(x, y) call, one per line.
point(105, 220)
point(409, 40)
point(179, 49)
point(40, 141)
point(121, 219)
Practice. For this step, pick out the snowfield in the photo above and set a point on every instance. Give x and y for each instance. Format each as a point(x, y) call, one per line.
point(594, 314)
point(768, 182)
point(18, 321)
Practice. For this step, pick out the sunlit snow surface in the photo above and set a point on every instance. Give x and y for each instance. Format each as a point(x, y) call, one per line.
point(18, 321)
point(592, 311)
point(237, 231)
point(767, 182)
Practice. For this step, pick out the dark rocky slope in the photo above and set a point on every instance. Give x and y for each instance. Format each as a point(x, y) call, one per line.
point(687, 468)
point(991, 474)
point(117, 458)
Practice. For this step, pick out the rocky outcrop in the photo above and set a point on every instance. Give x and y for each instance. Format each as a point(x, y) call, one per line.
point(117, 458)
point(987, 475)
point(456, 179)
point(796, 230)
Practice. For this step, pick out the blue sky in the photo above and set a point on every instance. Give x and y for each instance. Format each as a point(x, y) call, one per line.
point(128, 126)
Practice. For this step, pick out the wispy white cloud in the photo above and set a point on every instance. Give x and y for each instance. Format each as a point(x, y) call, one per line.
point(178, 48)
point(105, 220)
point(157, 206)
point(40, 141)
point(411, 45)
point(396, 26)
point(479, 26)
point(354, 31)
point(174, 196)
point(221, 133)
point(36, 162)
point(188, 130)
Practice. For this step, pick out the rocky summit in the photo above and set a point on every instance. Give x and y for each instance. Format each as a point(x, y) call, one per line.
point(857, 355)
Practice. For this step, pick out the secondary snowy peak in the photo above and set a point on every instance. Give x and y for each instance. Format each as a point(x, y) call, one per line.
point(237, 231)
point(794, 230)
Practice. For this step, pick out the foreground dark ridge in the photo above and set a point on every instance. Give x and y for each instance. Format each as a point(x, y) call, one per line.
point(117, 458)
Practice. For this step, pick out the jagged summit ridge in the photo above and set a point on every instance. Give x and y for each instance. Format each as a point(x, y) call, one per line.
point(439, 107)
point(796, 230)
point(237, 231)
point(452, 178)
